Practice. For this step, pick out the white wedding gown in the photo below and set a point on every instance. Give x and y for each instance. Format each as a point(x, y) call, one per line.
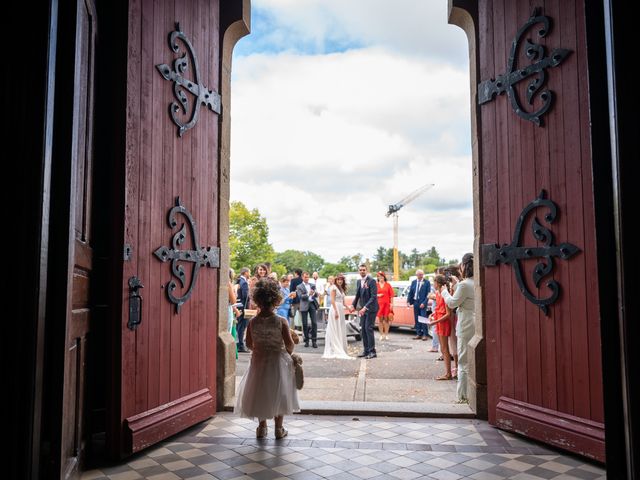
point(335, 340)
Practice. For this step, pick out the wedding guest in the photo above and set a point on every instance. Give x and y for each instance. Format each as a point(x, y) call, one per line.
point(327, 296)
point(293, 284)
point(453, 341)
point(243, 298)
point(284, 308)
point(261, 271)
point(232, 310)
point(431, 305)
point(441, 318)
point(417, 297)
point(385, 305)
point(463, 300)
point(308, 308)
point(268, 386)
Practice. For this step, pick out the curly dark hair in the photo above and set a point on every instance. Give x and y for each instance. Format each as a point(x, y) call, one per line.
point(266, 294)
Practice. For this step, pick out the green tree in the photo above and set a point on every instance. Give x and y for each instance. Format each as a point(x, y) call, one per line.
point(383, 260)
point(248, 237)
point(292, 259)
point(352, 262)
point(279, 269)
point(414, 258)
point(429, 268)
point(433, 253)
point(333, 269)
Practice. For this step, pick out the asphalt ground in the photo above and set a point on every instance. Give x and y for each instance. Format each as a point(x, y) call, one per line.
point(400, 380)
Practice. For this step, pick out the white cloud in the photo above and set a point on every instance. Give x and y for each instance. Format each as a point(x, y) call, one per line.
point(409, 27)
point(322, 144)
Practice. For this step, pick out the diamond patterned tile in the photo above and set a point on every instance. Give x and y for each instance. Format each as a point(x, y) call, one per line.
point(343, 449)
point(445, 475)
point(405, 474)
point(403, 461)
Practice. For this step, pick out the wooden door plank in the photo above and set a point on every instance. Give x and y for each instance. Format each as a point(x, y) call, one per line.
point(504, 214)
point(490, 202)
point(165, 25)
point(131, 218)
point(516, 201)
point(145, 175)
point(157, 216)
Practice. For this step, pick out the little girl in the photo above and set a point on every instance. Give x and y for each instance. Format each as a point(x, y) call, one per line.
point(441, 318)
point(268, 388)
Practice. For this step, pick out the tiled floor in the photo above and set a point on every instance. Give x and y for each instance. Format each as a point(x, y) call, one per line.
point(345, 448)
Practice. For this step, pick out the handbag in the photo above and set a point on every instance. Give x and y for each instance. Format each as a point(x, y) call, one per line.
point(294, 336)
point(299, 373)
point(249, 313)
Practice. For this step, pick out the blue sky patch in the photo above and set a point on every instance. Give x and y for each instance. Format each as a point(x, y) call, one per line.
point(269, 36)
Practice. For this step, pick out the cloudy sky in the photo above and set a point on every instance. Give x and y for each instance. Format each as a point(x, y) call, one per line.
point(342, 107)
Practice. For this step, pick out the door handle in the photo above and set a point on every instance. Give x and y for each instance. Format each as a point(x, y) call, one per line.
point(135, 303)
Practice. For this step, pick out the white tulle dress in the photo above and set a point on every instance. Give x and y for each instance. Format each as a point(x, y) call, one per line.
point(268, 387)
point(335, 340)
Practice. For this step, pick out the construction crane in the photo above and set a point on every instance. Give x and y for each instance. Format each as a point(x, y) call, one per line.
point(393, 211)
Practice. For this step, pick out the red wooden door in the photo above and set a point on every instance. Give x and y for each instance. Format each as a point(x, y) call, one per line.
point(544, 370)
point(168, 366)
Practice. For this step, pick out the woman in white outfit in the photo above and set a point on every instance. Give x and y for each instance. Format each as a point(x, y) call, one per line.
point(463, 300)
point(335, 340)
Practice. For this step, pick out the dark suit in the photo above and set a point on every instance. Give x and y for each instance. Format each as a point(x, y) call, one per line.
point(367, 297)
point(243, 297)
point(308, 306)
point(419, 299)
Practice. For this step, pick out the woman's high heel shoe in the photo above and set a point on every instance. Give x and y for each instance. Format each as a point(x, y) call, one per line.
point(261, 432)
point(281, 433)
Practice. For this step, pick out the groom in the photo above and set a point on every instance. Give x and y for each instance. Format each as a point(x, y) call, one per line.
point(366, 300)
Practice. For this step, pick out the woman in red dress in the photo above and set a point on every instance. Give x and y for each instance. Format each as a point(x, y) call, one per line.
point(441, 318)
point(385, 306)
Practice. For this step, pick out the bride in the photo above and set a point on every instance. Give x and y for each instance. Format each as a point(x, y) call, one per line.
point(335, 340)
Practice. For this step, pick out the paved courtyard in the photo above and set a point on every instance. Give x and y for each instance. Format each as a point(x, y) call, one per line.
point(404, 373)
point(349, 448)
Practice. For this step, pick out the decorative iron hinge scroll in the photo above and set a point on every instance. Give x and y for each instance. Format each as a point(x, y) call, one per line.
point(200, 256)
point(513, 253)
point(488, 89)
point(203, 95)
